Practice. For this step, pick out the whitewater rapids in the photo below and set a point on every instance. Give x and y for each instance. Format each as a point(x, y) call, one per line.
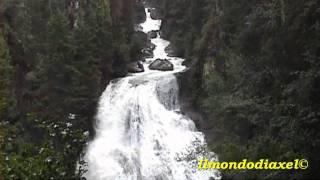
point(140, 132)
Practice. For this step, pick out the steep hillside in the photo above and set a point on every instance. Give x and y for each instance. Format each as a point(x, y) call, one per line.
point(56, 58)
point(254, 68)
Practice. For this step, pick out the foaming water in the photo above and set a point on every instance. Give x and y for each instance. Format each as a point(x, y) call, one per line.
point(140, 132)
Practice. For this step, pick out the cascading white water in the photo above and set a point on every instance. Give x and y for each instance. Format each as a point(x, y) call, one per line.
point(140, 134)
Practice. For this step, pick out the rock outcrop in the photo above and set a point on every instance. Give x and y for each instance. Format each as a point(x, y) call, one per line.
point(155, 14)
point(135, 67)
point(139, 15)
point(170, 50)
point(152, 34)
point(161, 65)
point(147, 51)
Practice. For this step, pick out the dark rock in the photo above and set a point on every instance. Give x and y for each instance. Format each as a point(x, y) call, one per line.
point(138, 28)
point(151, 46)
point(188, 82)
point(139, 39)
point(139, 13)
point(147, 53)
point(165, 29)
point(153, 3)
point(155, 14)
point(161, 65)
point(152, 34)
point(140, 65)
point(118, 72)
point(135, 67)
point(119, 65)
point(171, 51)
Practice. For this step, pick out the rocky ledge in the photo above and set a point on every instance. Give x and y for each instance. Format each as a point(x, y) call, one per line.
point(135, 67)
point(161, 65)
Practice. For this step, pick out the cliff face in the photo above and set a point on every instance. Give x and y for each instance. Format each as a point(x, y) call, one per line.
point(182, 24)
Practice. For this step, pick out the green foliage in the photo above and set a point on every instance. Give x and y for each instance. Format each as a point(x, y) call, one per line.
point(258, 64)
point(2, 142)
point(49, 158)
point(5, 73)
point(5, 78)
point(61, 58)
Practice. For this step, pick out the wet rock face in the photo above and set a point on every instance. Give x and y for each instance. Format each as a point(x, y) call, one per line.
point(119, 72)
point(171, 51)
point(161, 65)
point(147, 51)
point(168, 92)
point(139, 13)
point(155, 14)
point(135, 67)
point(152, 34)
point(151, 46)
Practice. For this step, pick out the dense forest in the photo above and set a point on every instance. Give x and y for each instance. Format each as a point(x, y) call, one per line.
point(56, 58)
point(253, 78)
point(254, 67)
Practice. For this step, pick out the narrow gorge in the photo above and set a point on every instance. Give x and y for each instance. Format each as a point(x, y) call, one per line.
point(140, 131)
point(143, 89)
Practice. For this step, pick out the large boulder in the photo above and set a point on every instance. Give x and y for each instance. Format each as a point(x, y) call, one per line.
point(161, 65)
point(135, 67)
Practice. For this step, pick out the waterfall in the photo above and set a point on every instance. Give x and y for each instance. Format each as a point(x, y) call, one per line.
point(140, 132)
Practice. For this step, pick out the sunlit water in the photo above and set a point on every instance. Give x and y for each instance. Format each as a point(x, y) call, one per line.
point(140, 133)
